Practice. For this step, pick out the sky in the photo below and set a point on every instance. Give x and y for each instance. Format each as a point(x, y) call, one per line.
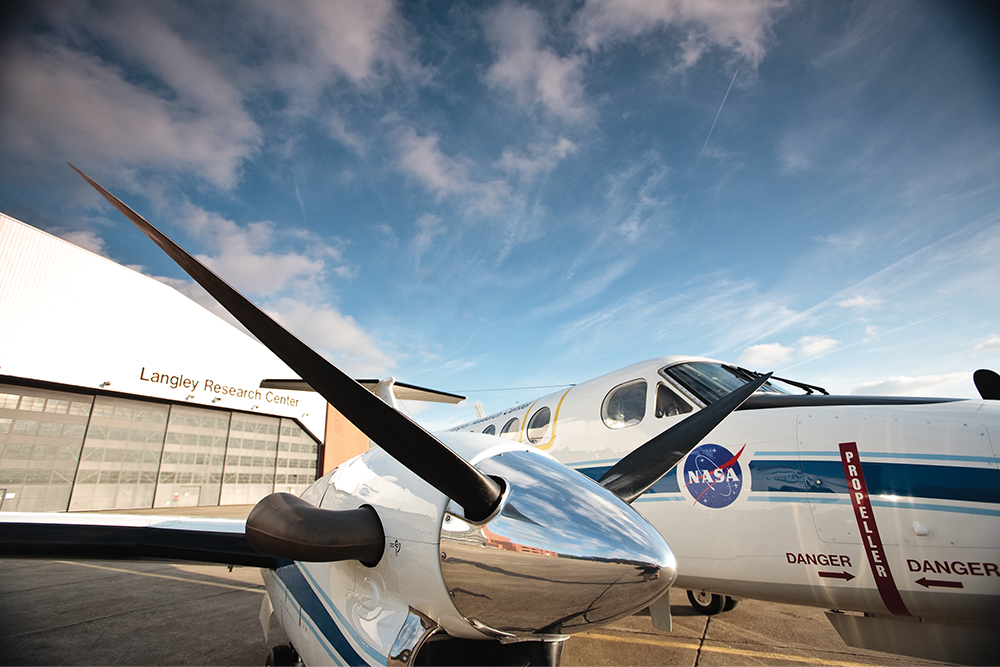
point(501, 198)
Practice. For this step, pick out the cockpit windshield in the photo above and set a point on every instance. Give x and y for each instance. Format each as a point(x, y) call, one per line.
point(710, 381)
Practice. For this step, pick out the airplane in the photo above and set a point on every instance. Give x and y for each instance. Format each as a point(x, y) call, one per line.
point(883, 509)
point(472, 548)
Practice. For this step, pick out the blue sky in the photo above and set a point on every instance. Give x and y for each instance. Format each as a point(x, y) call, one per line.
point(475, 196)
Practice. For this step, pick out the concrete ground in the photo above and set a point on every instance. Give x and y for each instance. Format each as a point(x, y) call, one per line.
point(128, 613)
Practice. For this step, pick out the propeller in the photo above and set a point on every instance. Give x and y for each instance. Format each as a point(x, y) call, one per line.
point(407, 442)
point(578, 555)
point(987, 384)
point(642, 468)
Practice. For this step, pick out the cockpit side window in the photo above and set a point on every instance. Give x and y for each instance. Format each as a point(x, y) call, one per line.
point(625, 405)
point(509, 429)
point(538, 425)
point(490, 430)
point(668, 403)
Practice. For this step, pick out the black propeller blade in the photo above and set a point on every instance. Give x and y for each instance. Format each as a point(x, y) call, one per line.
point(426, 456)
point(642, 468)
point(987, 384)
point(287, 526)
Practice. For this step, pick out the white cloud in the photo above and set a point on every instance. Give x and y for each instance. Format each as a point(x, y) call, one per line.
point(321, 42)
point(338, 336)
point(859, 302)
point(811, 346)
point(741, 27)
point(541, 158)
point(991, 343)
point(765, 355)
point(446, 177)
point(338, 130)
point(116, 122)
point(87, 240)
point(423, 159)
point(243, 260)
point(429, 227)
point(537, 75)
point(350, 36)
point(924, 385)
point(387, 235)
point(179, 97)
point(771, 355)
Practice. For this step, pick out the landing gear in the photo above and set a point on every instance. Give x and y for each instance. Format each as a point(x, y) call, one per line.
point(282, 656)
point(710, 604)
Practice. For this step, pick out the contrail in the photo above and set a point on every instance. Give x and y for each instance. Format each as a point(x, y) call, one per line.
point(717, 113)
point(298, 196)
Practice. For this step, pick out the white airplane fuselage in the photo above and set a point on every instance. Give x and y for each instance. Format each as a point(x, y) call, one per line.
point(877, 508)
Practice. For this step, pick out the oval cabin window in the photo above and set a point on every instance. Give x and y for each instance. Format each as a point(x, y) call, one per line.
point(490, 430)
point(509, 429)
point(538, 425)
point(625, 405)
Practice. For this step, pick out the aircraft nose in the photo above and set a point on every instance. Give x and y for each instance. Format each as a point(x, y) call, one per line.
point(562, 555)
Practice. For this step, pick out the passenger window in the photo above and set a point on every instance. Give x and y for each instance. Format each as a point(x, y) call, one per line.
point(509, 429)
point(625, 405)
point(538, 425)
point(490, 430)
point(669, 404)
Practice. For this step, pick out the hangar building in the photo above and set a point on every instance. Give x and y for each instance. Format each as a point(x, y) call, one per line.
point(117, 391)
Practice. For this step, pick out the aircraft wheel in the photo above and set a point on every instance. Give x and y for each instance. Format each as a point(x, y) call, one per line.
point(282, 656)
point(706, 603)
point(730, 604)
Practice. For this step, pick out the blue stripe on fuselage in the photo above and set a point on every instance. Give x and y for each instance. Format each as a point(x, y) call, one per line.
point(667, 484)
point(907, 480)
point(291, 576)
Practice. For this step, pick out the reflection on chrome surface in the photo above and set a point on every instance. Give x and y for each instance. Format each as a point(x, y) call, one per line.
point(415, 631)
point(562, 555)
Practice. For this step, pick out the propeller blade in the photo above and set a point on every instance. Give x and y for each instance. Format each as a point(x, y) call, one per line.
point(643, 467)
point(407, 442)
point(987, 384)
point(286, 526)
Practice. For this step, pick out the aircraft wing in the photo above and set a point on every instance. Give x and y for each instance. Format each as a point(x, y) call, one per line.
point(402, 390)
point(127, 537)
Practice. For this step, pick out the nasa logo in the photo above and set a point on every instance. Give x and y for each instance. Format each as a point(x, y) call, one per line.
point(713, 476)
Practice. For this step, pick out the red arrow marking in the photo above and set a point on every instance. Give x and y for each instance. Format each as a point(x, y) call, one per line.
point(845, 575)
point(927, 583)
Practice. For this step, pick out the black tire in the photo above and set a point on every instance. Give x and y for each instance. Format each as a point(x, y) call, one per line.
point(281, 656)
point(706, 603)
point(730, 604)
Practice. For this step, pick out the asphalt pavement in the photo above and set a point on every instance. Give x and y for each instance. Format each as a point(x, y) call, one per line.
point(150, 613)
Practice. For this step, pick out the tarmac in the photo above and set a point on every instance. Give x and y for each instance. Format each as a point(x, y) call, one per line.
point(151, 613)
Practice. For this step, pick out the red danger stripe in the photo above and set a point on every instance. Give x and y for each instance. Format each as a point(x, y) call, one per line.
point(869, 530)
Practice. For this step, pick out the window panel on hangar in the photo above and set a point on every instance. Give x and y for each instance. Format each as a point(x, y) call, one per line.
point(41, 436)
point(250, 459)
point(194, 451)
point(296, 465)
point(121, 455)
